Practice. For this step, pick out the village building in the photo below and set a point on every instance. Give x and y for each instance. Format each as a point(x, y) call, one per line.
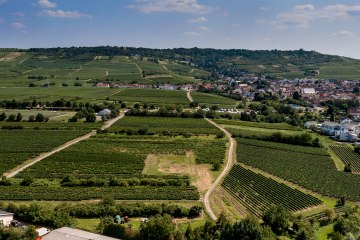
point(73, 234)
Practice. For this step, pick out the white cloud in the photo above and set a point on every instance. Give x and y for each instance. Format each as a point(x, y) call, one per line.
point(63, 14)
point(17, 25)
point(302, 15)
point(198, 20)
point(182, 6)
point(201, 31)
point(262, 8)
point(46, 4)
point(343, 34)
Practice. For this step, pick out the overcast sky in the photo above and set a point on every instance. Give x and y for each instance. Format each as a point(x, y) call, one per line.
point(326, 26)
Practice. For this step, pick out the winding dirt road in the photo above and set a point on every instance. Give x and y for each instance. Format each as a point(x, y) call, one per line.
point(227, 168)
point(37, 159)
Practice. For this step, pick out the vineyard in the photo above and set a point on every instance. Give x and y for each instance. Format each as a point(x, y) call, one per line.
point(114, 155)
point(52, 125)
point(212, 99)
point(348, 156)
point(16, 146)
point(309, 167)
point(275, 126)
point(88, 193)
point(152, 96)
point(165, 124)
point(258, 193)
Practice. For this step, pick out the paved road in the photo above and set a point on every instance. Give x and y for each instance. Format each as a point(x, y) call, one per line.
point(229, 164)
point(37, 159)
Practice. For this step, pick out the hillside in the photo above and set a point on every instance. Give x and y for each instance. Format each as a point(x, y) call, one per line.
point(231, 62)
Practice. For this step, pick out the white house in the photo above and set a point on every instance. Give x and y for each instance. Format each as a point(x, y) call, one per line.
point(104, 112)
point(6, 218)
point(311, 124)
point(330, 128)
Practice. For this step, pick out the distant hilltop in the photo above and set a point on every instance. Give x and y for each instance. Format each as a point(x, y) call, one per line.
point(230, 62)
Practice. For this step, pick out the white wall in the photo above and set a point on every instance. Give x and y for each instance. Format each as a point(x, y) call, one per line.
point(6, 220)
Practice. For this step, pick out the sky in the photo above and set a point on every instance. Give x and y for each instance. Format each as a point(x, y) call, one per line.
point(326, 26)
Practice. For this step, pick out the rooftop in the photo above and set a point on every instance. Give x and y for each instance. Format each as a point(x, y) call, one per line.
point(74, 234)
point(3, 213)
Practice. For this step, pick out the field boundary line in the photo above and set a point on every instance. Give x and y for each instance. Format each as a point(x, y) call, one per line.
point(42, 156)
point(227, 168)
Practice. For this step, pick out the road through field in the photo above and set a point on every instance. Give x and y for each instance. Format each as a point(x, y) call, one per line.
point(188, 95)
point(227, 168)
point(37, 159)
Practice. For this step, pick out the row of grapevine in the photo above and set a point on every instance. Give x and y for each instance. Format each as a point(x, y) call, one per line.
point(257, 193)
point(348, 156)
point(87, 193)
point(305, 166)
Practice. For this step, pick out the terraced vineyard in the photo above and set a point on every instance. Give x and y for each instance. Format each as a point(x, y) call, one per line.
point(309, 167)
point(168, 124)
point(348, 156)
point(16, 146)
point(258, 193)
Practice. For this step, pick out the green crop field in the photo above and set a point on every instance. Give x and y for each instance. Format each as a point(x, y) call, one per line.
point(17, 146)
point(52, 125)
point(168, 124)
point(258, 193)
point(116, 155)
point(275, 126)
point(309, 167)
point(26, 113)
point(152, 96)
point(348, 156)
point(211, 99)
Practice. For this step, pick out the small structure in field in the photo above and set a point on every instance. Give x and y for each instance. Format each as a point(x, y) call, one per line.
point(67, 233)
point(6, 218)
point(104, 113)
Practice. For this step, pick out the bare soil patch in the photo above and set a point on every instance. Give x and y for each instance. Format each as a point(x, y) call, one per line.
point(11, 56)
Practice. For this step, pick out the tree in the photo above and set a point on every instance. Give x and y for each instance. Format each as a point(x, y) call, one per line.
point(18, 117)
point(40, 117)
point(2, 117)
point(278, 219)
point(11, 118)
point(348, 168)
point(158, 228)
point(249, 228)
point(216, 166)
point(27, 181)
point(31, 118)
point(189, 233)
point(296, 95)
point(91, 117)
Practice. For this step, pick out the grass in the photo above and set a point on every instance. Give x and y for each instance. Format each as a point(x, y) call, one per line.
point(88, 224)
point(26, 113)
point(321, 233)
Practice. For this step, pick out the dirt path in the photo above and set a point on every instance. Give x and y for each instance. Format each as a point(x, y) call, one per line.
point(188, 95)
point(227, 168)
point(42, 156)
point(192, 70)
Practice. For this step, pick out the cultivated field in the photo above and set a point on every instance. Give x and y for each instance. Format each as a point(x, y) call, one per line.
point(309, 167)
point(18, 146)
point(258, 193)
point(162, 125)
point(348, 156)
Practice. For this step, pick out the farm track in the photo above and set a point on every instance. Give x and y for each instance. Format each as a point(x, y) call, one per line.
point(188, 95)
point(227, 168)
point(42, 156)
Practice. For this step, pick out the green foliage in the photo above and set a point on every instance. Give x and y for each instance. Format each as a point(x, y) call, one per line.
point(309, 167)
point(157, 228)
point(348, 156)
point(258, 193)
point(278, 218)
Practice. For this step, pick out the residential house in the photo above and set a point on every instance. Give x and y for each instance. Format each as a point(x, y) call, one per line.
point(354, 113)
